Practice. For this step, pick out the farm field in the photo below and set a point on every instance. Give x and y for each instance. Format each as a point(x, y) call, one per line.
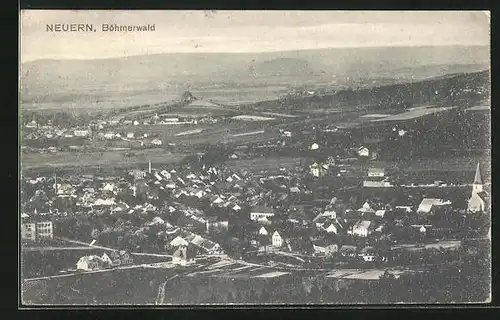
point(414, 113)
point(267, 164)
point(127, 286)
point(108, 158)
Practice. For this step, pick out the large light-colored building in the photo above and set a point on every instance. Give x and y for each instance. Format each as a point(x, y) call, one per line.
point(44, 230)
point(37, 231)
point(261, 213)
point(28, 231)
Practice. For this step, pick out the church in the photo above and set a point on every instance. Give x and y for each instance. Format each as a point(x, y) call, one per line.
point(478, 202)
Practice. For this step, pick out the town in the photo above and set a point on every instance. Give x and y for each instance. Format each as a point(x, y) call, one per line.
point(284, 173)
point(334, 208)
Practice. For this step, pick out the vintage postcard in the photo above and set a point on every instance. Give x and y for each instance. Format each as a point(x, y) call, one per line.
point(254, 157)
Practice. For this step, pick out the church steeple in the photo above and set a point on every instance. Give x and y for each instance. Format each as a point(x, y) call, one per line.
point(477, 185)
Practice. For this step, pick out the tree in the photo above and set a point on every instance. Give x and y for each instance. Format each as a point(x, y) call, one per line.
point(386, 284)
point(229, 298)
point(95, 233)
point(265, 296)
point(252, 296)
point(314, 295)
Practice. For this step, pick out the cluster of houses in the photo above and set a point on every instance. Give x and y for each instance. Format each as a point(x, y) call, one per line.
point(185, 246)
point(94, 262)
point(314, 244)
point(49, 131)
point(322, 234)
point(200, 203)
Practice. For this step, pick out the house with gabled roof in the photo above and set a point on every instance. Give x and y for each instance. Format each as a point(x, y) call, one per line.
point(366, 208)
point(263, 231)
point(334, 227)
point(428, 204)
point(368, 254)
point(363, 228)
point(184, 255)
point(348, 251)
point(260, 213)
point(324, 247)
point(277, 240)
point(178, 241)
point(88, 263)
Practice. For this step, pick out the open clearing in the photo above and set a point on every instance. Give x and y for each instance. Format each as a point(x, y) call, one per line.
point(272, 274)
point(480, 108)
point(374, 115)
point(275, 114)
point(248, 133)
point(185, 133)
point(367, 274)
point(116, 159)
point(259, 164)
point(252, 118)
point(414, 113)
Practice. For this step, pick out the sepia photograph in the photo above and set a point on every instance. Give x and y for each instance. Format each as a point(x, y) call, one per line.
point(242, 158)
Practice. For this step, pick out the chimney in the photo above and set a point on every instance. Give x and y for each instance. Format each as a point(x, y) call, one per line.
point(149, 166)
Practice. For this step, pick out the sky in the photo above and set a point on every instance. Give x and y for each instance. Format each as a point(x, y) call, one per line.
point(243, 31)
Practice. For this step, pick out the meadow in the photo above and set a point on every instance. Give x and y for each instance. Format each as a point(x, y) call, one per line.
point(98, 159)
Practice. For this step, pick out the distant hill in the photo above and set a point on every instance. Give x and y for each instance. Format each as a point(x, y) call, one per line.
point(84, 80)
point(281, 67)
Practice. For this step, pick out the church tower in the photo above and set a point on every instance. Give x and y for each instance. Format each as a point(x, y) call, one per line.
point(477, 185)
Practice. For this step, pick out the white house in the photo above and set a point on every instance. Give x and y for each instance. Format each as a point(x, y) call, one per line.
point(109, 187)
point(218, 200)
point(277, 240)
point(315, 169)
point(109, 135)
point(106, 260)
point(130, 135)
point(156, 142)
point(236, 207)
point(261, 213)
point(322, 247)
point(166, 174)
point(363, 152)
point(380, 213)
point(362, 228)
point(428, 203)
point(295, 189)
point(332, 228)
point(366, 208)
point(263, 231)
point(178, 241)
point(368, 254)
point(81, 133)
point(314, 146)
point(376, 172)
point(88, 263)
point(184, 255)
